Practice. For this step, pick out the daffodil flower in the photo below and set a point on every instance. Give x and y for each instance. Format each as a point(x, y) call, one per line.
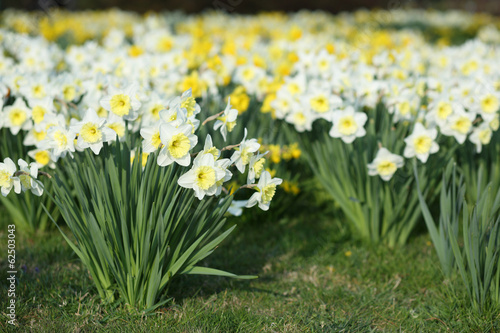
point(177, 142)
point(60, 141)
point(421, 143)
point(255, 167)
point(92, 132)
point(122, 102)
point(42, 158)
point(187, 102)
point(348, 124)
point(266, 188)
point(385, 164)
point(203, 177)
point(242, 155)
point(17, 116)
point(7, 179)
point(28, 178)
point(227, 120)
point(480, 136)
point(459, 124)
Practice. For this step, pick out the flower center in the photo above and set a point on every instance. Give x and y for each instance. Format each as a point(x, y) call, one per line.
point(404, 108)
point(462, 125)
point(91, 133)
point(189, 104)
point(39, 136)
point(38, 114)
point(5, 180)
point(69, 93)
point(17, 117)
point(299, 118)
point(205, 177)
point(422, 144)
point(245, 156)
point(490, 104)
point(155, 111)
point(386, 168)
point(38, 91)
point(179, 145)
point(319, 104)
point(42, 157)
point(444, 110)
point(348, 125)
point(268, 193)
point(120, 104)
point(259, 167)
point(61, 139)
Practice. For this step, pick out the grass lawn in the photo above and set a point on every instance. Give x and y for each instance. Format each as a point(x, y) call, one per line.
point(312, 278)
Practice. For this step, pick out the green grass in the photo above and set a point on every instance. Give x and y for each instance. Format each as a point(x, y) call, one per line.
point(307, 282)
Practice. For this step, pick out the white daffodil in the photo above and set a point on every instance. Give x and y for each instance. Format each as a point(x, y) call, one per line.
point(348, 124)
point(7, 178)
point(60, 141)
point(440, 110)
point(122, 102)
point(174, 115)
point(321, 101)
point(177, 142)
point(481, 135)
point(242, 155)
point(42, 158)
point(385, 164)
point(266, 188)
point(227, 120)
point(421, 143)
point(202, 177)
point(489, 104)
point(459, 124)
point(67, 87)
point(92, 132)
point(187, 102)
point(41, 109)
point(255, 167)
point(29, 180)
point(301, 118)
point(17, 116)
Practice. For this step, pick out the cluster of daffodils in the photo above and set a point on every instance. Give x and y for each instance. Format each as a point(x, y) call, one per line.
point(24, 179)
point(445, 92)
point(169, 131)
point(172, 136)
point(147, 75)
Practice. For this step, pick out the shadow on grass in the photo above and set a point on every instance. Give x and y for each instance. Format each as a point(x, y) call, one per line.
point(258, 242)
